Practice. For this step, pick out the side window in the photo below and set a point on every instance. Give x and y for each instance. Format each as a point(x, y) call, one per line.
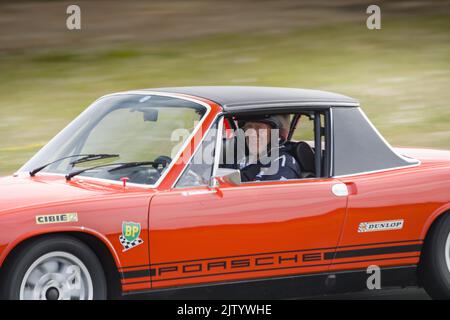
point(304, 130)
point(311, 138)
point(199, 170)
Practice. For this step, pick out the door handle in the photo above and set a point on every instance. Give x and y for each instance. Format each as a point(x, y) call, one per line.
point(352, 189)
point(340, 190)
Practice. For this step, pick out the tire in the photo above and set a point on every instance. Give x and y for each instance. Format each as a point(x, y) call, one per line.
point(434, 269)
point(54, 267)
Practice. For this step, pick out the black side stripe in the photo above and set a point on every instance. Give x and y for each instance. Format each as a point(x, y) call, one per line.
point(371, 251)
point(139, 273)
point(327, 256)
point(275, 252)
point(270, 269)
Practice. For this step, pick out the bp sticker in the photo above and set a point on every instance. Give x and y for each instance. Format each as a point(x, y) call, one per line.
point(130, 235)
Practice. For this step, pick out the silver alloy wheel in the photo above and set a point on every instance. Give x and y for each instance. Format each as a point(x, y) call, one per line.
point(447, 252)
point(57, 276)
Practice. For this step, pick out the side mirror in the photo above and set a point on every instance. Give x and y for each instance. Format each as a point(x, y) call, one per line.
point(226, 176)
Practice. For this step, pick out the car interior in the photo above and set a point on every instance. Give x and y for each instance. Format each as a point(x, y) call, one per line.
point(307, 129)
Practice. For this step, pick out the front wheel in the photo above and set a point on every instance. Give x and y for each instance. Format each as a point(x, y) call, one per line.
point(54, 268)
point(434, 268)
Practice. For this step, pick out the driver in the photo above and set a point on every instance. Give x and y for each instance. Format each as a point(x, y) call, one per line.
point(265, 161)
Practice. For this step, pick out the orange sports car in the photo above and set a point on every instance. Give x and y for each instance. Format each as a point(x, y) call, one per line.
point(145, 193)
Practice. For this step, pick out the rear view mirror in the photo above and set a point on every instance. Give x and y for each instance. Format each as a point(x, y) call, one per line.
point(226, 176)
point(150, 115)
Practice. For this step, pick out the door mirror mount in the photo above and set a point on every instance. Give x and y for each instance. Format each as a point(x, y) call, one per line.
point(226, 176)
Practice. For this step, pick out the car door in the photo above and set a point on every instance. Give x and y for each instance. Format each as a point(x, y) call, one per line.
point(201, 234)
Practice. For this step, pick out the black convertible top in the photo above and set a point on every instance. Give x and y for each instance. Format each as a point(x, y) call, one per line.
point(358, 147)
point(235, 98)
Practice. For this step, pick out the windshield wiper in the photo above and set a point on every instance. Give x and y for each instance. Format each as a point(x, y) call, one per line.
point(120, 166)
point(134, 164)
point(85, 158)
point(93, 157)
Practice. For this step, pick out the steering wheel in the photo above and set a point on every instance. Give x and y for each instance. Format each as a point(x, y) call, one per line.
point(161, 161)
point(149, 175)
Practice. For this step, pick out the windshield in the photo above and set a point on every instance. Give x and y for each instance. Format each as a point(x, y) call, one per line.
point(147, 129)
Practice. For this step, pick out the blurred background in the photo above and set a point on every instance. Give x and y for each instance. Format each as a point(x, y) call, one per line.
point(48, 74)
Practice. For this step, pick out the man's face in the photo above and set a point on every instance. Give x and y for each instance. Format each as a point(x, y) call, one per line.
point(257, 136)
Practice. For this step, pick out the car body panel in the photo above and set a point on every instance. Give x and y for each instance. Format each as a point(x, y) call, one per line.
point(100, 208)
point(205, 235)
point(412, 194)
point(247, 231)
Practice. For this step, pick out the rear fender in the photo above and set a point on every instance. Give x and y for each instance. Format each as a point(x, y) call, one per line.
point(432, 218)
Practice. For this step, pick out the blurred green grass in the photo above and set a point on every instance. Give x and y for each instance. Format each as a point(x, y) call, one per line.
point(401, 75)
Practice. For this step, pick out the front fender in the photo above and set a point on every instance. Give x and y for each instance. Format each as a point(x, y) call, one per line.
point(6, 249)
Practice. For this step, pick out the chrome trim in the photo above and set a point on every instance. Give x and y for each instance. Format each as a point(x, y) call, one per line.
point(380, 170)
point(286, 105)
point(331, 152)
point(217, 151)
point(282, 183)
point(193, 153)
point(339, 190)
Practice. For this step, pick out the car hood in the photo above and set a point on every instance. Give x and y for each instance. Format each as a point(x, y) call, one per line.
point(20, 192)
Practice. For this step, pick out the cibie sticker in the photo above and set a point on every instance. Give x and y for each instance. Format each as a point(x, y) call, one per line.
point(380, 226)
point(130, 235)
point(57, 218)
